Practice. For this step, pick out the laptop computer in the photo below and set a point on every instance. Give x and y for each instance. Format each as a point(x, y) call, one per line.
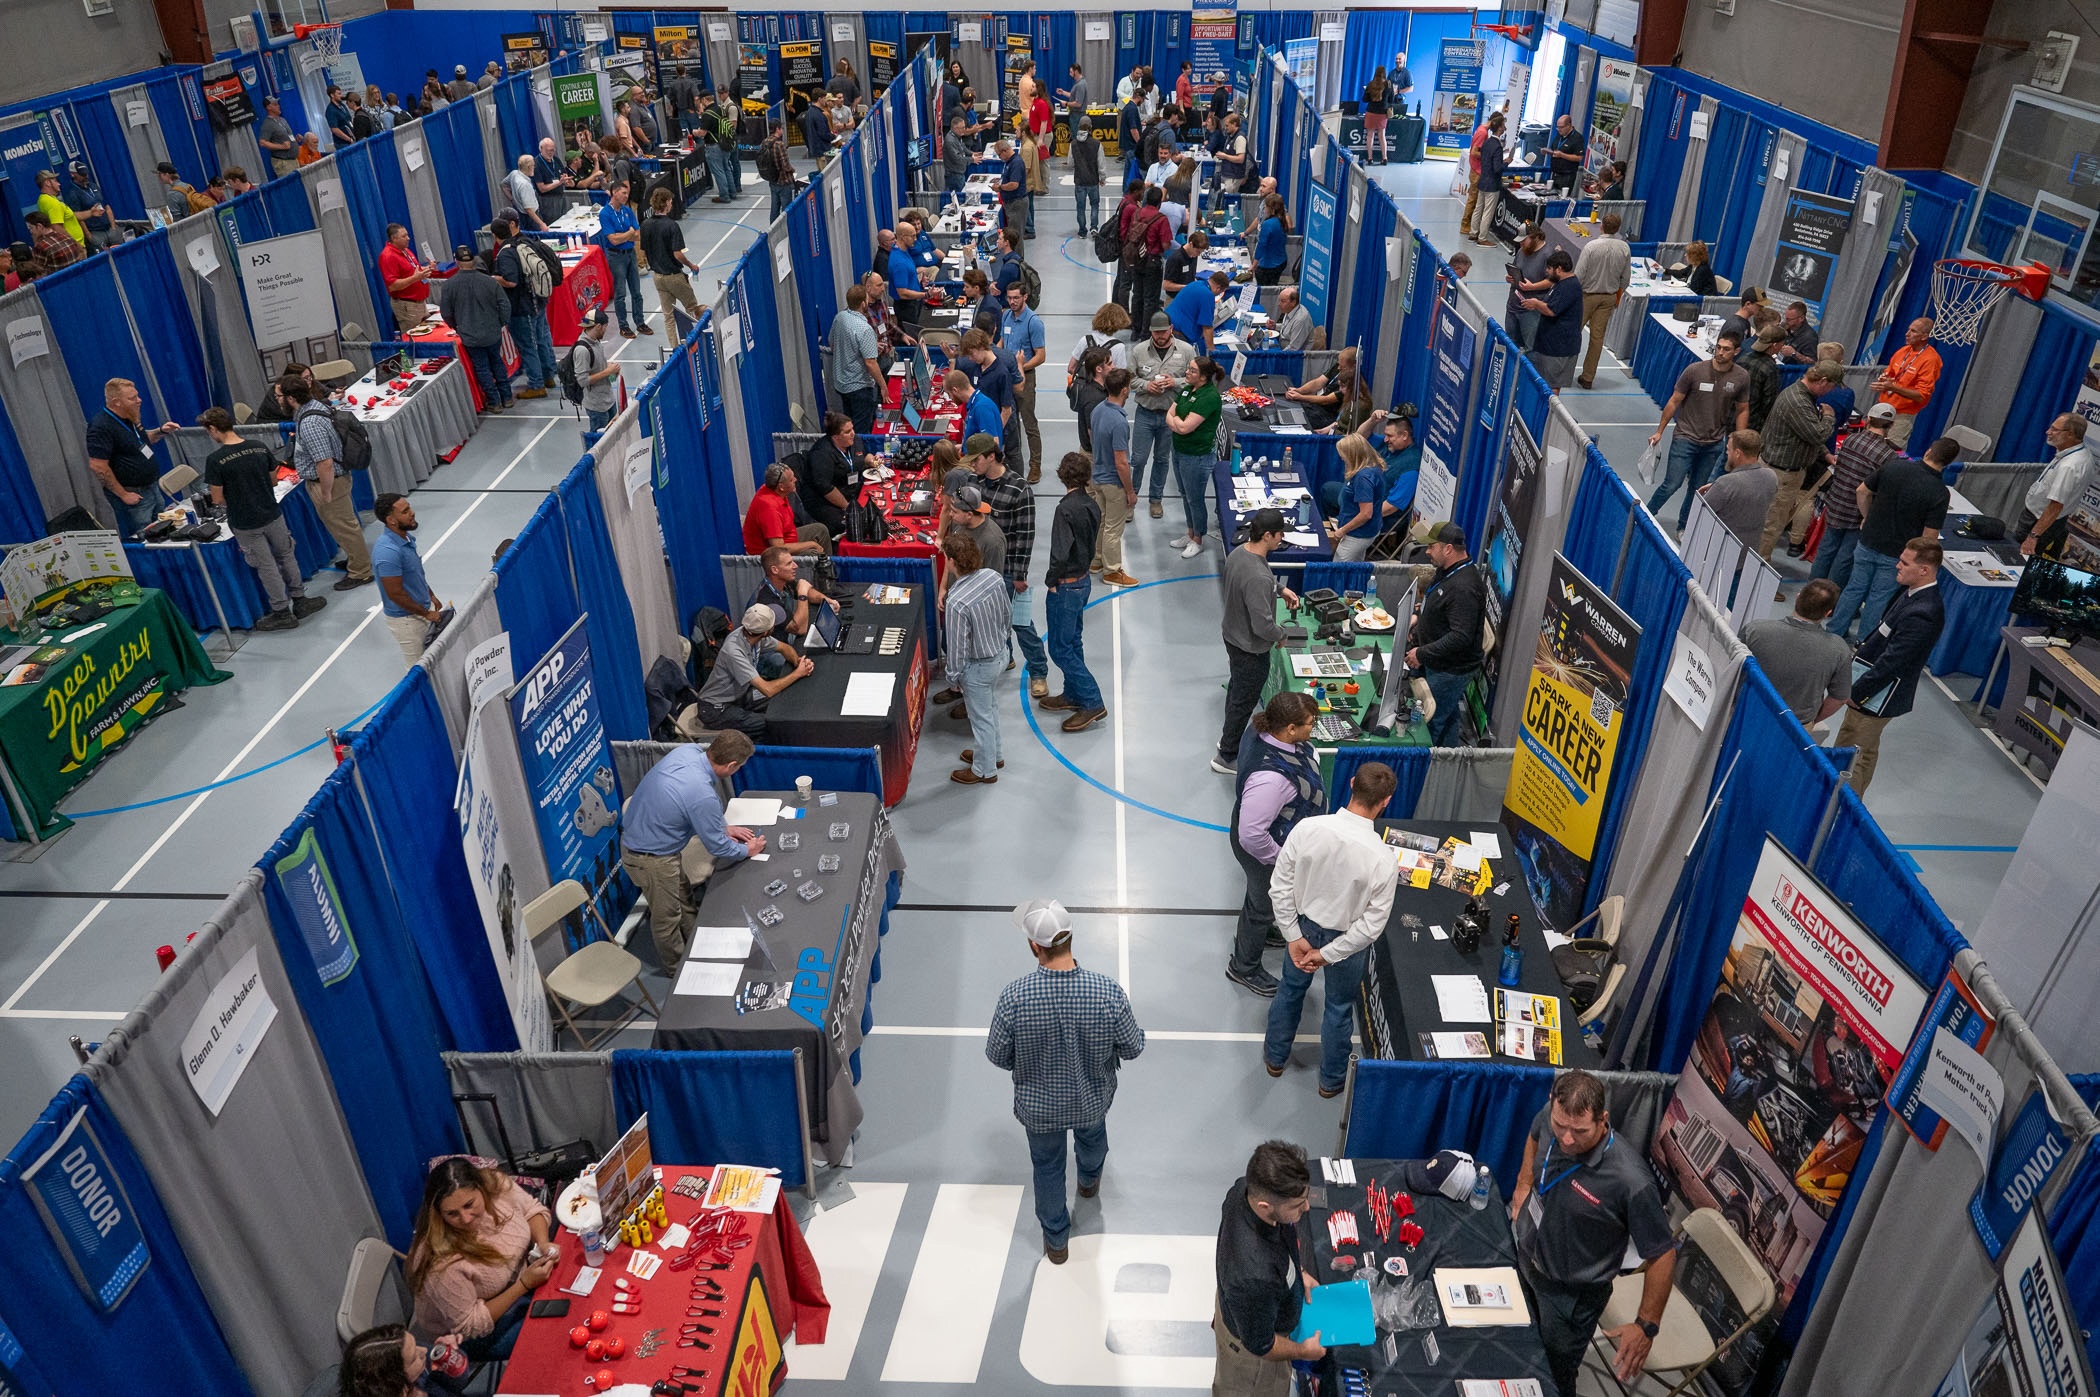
point(914, 419)
point(1282, 416)
point(823, 629)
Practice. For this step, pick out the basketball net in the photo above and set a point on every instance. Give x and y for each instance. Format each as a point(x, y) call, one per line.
point(327, 42)
point(1964, 292)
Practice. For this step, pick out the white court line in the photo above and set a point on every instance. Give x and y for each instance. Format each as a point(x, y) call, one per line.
point(8, 1009)
point(1115, 633)
point(849, 1242)
point(1152, 1035)
point(954, 1292)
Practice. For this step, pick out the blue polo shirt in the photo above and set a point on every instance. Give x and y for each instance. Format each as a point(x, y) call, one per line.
point(612, 220)
point(982, 415)
point(1016, 174)
point(1270, 249)
point(1405, 461)
point(997, 382)
point(1021, 333)
point(1006, 271)
point(1401, 495)
point(903, 271)
point(923, 253)
point(1193, 307)
point(394, 555)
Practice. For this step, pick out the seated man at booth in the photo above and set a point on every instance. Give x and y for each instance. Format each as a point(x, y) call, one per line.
point(1294, 326)
point(787, 593)
point(1392, 435)
point(675, 804)
point(770, 520)
point(831, 477)
point(736, 690)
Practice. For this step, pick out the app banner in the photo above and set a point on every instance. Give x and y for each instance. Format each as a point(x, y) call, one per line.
point(568, 764)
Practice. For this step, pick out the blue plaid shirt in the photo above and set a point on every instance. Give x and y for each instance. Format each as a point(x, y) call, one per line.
point(1062, 1033)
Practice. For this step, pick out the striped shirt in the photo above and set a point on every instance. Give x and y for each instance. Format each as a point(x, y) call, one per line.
point(1062, 1034)
point(979, 619)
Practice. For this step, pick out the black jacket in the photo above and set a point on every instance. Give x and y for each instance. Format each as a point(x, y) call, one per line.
point(1898, 648)
point(1447, 638)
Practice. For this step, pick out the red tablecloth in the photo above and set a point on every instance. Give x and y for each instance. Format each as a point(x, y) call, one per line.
point(770, 1290)
point(438, 332)
point(586, 283)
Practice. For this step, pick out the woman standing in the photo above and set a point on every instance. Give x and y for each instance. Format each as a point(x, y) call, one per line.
point(1276, 783)
point(1193, 419)
point(1272, 247)
point(1363, 492)
point(481, 1248)
point(1378, 96)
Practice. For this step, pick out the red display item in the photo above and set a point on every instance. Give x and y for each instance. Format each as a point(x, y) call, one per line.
point(1404, 1205)
point(605, 1378)
point(598, 1320)
point(579, 1336)
point(616, 1348)
point(1410, 1233)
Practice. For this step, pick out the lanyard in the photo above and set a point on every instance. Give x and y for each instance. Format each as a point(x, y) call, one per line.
point(1425, 597)
point(1546, 1185)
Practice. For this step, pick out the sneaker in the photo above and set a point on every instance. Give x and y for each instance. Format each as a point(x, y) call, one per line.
point(1255, 981)
point(1223, 767)
point(1039, 688)
point(303, 607)
point(1193, 547)
point(532, 392)
point(1116, 577)
point(1056, 1255)
point(1158, 510)
point(1086, 718)
point(352, 583)
point(970, 755)
point(1056, 703)
point(963, 776)
point(947, 696)
point(278, 621)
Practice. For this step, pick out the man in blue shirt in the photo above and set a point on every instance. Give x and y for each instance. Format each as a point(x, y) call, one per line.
point(1013, 192)
point(620, 234)
point(1194, 310)
point(1558, 342)
point(1021, 336)
point(902, 269)
point(980, 413)
point(676, 803)
point(1006, 260)
point(404, 593)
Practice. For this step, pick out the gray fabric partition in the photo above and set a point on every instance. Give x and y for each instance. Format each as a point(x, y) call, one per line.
point(741, 575)
point(733, 408)
point(637, 541)
point(346, 277)
point(426, 205)
point(1352, 209)
point(838, 235)
point(228, 320)
point(1327, 77)
point(722, 52)
point(1764, 235)
point(1465, 783)
point(145, 143)
point(1097, 59)
point(1999, 488)
point(474, 621)
point(543, 1098)
point(1847, 303)
point(1992, 379)
point(1926, 1266)
point(853, 48)
point(1630, 136)
point(794, 348)
point(1637, 1101)
point(1687, 201)
point(38, 395)
point(1563, 458)
point(267, 1196)
point(1386, 355)
point(1669, 799)
point(1582, 86)
point(495, 161)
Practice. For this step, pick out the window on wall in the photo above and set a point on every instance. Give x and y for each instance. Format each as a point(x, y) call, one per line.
point(1543, 98)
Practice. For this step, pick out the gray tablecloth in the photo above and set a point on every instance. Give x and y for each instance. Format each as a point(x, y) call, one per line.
point(408, 442)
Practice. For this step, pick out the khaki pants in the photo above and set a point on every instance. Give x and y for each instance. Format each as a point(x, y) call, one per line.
point(1781, 513)
point(1483, 222)
point(814, 533)
point(284, 164)
point(409, 633)
point(1115, 516)
point(1906, 423)
point(1805, 512)
point(1465, 220)
point(1243, 1374)
point(1032, 163)
point(675, 288)
point(1597, 308)
point(1863, 731)
point(409, 314)
point(339, 515)
point(671, 909)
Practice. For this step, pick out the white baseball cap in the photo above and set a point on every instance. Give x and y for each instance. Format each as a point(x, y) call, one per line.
point(1044, 920)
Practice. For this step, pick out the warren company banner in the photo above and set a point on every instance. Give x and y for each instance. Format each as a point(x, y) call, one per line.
point(1805, 1030)
point(568, 764)
point(1811, 239)
point(1454, 107)
point(1314, 279)
point(1574, 710)
point(1502, 545)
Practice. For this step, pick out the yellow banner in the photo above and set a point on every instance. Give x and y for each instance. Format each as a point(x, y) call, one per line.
point(1562, 764)
point(754, 1360)
point(798, 50)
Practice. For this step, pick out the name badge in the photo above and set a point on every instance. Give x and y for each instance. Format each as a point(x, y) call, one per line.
point(1535, 1210)
point(1706, 388)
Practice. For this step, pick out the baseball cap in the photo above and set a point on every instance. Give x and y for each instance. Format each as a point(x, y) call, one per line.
point(970, 500)
point(594, 316)
point(165, 168)
point(1881, 412)
point(460, 68)
point(1451, 1173)
point(957, 478)
point(1047, 922)
point(1438, 531)
point(981, 444)
point(1162, 321)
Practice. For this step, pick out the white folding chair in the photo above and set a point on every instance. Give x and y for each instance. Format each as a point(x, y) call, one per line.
point(591, 976)
point(1684, 1346)
point(1972, 442)
point(374, 1273)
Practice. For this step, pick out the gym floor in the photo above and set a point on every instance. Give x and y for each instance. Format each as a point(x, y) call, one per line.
point(928, 1242)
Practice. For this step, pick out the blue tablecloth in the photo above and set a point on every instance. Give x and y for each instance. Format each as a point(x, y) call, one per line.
point(1969, 641)
point(1659, 357)
point(174, 570)
point(1230, 519)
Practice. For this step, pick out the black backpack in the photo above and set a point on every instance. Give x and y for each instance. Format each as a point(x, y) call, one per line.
point(1031, 285)
point(709, 630)
point(356, 452)
point(1107, 246)
point(571, 381)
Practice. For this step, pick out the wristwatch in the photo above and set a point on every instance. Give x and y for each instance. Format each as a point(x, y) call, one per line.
point(1650, 1329)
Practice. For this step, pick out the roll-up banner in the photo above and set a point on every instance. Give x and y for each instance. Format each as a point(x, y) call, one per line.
point(1455, 105)
point(568, 765)
point(1811, 240)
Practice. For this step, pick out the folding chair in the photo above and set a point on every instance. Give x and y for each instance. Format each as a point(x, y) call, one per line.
point(374, 1271)
point(1684, 1345)
point(592, 975)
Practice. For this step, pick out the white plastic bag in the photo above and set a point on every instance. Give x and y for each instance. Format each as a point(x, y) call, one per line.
point(1645, 467)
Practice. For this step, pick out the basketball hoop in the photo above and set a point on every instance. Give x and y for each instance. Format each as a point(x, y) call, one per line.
point(327, 40)
point(1964, 291)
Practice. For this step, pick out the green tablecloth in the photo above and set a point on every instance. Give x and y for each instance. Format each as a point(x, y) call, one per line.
point(110, 683)
point(1365, 702)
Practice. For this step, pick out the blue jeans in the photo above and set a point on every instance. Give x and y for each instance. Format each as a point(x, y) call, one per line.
point(131, 518)
point(783, 195)
point(1046, 1151)
point(1033, 655)
point(859, 404)
point(1523, 327)
point(1343, 979)
point(977, 680)
point(1194, 474)
point(954, 185)
point(1064, 608)
point(595, 421)
point(1691, 466)
point(535, 348)
point(1089, 208)
point(1834, 555)
point(736, 170)
point(718, 171)
point(1151, 441)
point(1448, 688)
point(626, 288)
point(487, 363)
point(1867, 592)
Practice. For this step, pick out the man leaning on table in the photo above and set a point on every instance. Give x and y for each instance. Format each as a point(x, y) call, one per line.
point(676, 803)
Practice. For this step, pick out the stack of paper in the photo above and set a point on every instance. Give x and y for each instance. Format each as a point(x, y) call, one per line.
point(1461, 999)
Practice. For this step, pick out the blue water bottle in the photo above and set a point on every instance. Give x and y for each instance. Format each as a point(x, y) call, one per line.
point(1512, 971)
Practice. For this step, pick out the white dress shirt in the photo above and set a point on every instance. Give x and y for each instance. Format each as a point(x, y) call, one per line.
point(1336, 870)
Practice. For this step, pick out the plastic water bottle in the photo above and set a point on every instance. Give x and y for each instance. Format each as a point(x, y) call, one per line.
point(1286, 460)
point(1483, 1181)
point(593, 1247)
point(1511, 972)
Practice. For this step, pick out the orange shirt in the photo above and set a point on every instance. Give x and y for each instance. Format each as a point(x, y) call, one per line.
point(1480, 134)
point(1915, 369)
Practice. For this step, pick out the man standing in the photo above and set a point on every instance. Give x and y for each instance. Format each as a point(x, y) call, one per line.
point(316, 449)
point(56, 210)
point(243, 479)
point(1907, 384)
point(1810, 667)
point(1075, 96)
point(1559, 337)
point(1865, 451)
point(956, 158)
point(1276, 784)
point(976, 622)
point(1062, 1032)
point(677, 802)
point(1013, 192)
point(338, 116)
point(901, 266)
point(410, 608)
point(816, 130)
point(1566, 148)
point(1489, 181)
point(478, 310)
point(595, 370)
point(1743, 495)
point(1764, 374)
point(1262, 1280)
point(1710, 400)
point(1605, 269)
point(1021, 335)
point(735, 693)
point(1194, 311)
point(1582, 1196)
point(777, 169)
point(1013, 510)
point(524, 193)
point(620, 234)
point(522, 280)
point(1232, 157)
point(1251, 630)
point(84, 197)
point(1795, 441)
point(856, 366)
point(1332, 892)
point(2043, 528)
point(407, 279)
point(1111, 485)
point(1159, 364)
point(712, 119)
point(1902, 501)
point(1447, 631)
point(274, 134)
point(1068, 581)
point(663, 244)
point(1894, 655)
point(1293, 327)
point(120, 455)
point(461, 87)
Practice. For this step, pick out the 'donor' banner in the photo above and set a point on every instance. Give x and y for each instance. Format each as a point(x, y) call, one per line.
point(1501, 547)
point(1455, 106)
point(1574, 711)
point(1811, 239)
point(1316, 261)
point(2027, 1342)
point(568, 765)
point(1804, 1032)
point(89, 1216)
point(2033, 1148)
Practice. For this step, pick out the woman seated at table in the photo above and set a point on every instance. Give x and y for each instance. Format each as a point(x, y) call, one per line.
point(1701, 276)
point(387, 1361)
point(1271, 239)
point(1359, 519)
point(480, 1250)
point(1337, 401)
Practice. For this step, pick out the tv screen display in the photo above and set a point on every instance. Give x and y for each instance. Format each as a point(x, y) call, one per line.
point(2063, 596)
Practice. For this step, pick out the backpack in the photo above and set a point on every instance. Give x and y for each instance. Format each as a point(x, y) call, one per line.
point(571, 381)
point(1107, 246)
point(1031, 284)
point(769, 163)
point(1583, 965)
point(549, 260)
point(709, 630)
point(532, 275)
point(1135, 254)
point(355, 453)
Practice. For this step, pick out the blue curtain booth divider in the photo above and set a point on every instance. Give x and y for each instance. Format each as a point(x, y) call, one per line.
point(1410, 1110)
point(393, 192)
point(604, 601)
point(1340, 577)
point(71, 1346)
point(368, 217)
point(195, 163)
point(860, 219)
point(808, 252)
point(1411, 382)
point(246, 218)
point(1367, 305)
point(535, 594)
point(1720, 178)
point(1271, 29)
point(901, 572)
point(2063, 346)
point(516, 126)
point(1313, 456)
point(360, 981)
point(1939, 209)
point(695, 498)
point(1666, 127)
point(1410, 764)
point(454, 139)
point(761, 377)
point(1370, 42)
point(285, 201)
point(21, 513)
point(1745, 195)
point(405, 762)
point(80, 309)
point(145, 267)
point(707, 1108)
point(2074, 1229)
point(102, 136)
point(828, 768)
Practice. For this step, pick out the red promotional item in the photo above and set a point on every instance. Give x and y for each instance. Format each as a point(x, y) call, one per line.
point(1410, 1233)
point(605, 1379)
point(1404, 1206)
point(579, 1336)
point(615, 1348)
point(594, 1351)
point(599, 1319)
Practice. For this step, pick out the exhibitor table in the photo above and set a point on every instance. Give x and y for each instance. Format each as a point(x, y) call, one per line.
point(1417, 1354)
point(116, 675)
point(214, 580)
point(1399, 997)
point(1666, 348)
point(1298, 640)
point(413, 432)
point(2047, 690)
point(807, 712)
point(1647, 291)
point(823, 954)
point(1238, 496)
point(770, 1290)
point(1977, 582)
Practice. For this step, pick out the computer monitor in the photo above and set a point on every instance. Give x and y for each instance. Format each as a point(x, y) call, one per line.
point(2068, 599)
point(1392, 684)
point(922, 375)
point(919, 151)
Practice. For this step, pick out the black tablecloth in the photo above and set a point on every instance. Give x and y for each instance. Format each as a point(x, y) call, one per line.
point(1454, 1235)
point(1399, 999)
point(806, 713)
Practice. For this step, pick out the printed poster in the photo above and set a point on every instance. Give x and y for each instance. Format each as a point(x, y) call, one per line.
point(1454, 107)
point(1608, 106)
point(1316, 265)
point(1574, 711)
point(1443, 432)
point(882, 64)
point(1213, 45)
point(524, 50)
point(754, 88)
point(2027, 1341)
point(568, 765)
point(1501, 549)
point(1803, 1035)
point(1811, 239)
point(802, 75)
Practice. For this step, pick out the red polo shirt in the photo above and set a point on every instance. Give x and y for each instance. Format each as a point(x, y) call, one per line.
point(395, 264)
point(769, 517)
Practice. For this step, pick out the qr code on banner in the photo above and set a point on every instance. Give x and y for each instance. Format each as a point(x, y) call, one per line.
point(1601, 708)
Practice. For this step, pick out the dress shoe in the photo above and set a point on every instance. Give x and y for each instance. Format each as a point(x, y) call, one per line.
point(969, 754)
point(963, 776)
point(1084, 719)
point(949, 695)
point(1116, 577)
point(1585, 383)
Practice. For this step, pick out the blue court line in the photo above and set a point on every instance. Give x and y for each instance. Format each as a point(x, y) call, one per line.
point(1097, 271)
point(215, 785)
point(1028, 711)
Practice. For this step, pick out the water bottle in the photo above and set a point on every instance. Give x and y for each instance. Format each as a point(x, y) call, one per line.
point(1237, 467)
point(1286, 460)
point(593, 1247)
point(1483, 1181)
point(1512, 971)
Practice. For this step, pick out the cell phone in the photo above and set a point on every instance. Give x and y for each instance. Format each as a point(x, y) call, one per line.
point(544, 1309)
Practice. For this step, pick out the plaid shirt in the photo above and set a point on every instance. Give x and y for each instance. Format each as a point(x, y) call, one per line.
point(979, 619)
point(315, 440)
point(1795, 432)
point(1062, 1033)
point(1863, 453)
point(1013, 510)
